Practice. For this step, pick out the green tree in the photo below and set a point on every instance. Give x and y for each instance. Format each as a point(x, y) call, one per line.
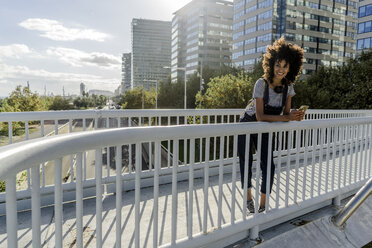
point(59, 103)
point(46, 101)
point(170, 94)
point(133, 99)
point(21, 100)
point(227, 91)
point(81, 102)
point(257, 71)
point(193, 87)
point(342, 87)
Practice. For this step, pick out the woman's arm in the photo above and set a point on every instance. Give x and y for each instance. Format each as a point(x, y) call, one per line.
point(287, 115)
point(288, 104)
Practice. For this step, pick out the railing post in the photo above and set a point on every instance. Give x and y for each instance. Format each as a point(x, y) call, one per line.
point(253, 233)
point(336, 201)
point(58, 201)
point(11, 211)
point(36, 213)
point(342, 216)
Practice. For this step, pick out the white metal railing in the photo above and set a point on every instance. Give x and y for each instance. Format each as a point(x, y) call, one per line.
point(335, 157)
point(60, 122)
point(119, 118)
point(56, 122)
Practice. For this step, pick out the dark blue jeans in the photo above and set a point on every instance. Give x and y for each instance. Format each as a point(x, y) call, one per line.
point(263, 164)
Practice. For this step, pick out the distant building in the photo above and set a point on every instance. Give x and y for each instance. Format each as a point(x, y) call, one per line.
point(365, 26)
point(118, 90)
point(151, 52)
point(82, 88)
point(101, 92)
point(126, 72)
point(326, 30)
point(201, 34)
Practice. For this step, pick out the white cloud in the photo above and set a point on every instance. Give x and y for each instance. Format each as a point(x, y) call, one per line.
point(11, 76)
point(14, 51)
point(79, 58)
point(20, 72)
point(55, 30)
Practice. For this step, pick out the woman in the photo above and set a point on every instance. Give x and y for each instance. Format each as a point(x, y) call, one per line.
point(282, 64)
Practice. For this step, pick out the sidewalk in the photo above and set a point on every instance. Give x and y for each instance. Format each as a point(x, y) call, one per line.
point(164, 211)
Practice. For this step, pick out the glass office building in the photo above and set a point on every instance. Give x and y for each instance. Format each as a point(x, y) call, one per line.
point(126, 62)
point(201, 34)
point(151, 52)
point(365, 26)
point(326, 30)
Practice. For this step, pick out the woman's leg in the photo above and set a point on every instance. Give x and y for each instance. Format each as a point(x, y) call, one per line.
point(241, 152)
point(264, 165)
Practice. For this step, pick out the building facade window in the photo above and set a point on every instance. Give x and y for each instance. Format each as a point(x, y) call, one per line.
point(237, 35)
point(365, 10)
point(191, 57)
point(250, 30)
point(191, 49)
point(250, 41)
point(265, 4)
point(264, 38)
point(192, 64)
point(249, 51)
point(219, 25)
point(265, 15)
point(250, 9)
point(236, 26)
point(364, 27)
point(238, 44)
point(249, 61)
point(238, 15)
point(261, 49)
point(239, 4)
point(192, 27)
point(192, 42)
point(364, 43)
point(250, 20)
point(237, 54)
point(192, 19)
point(192, 34)
point(237, 64)
point(290, 37)
point(265, 26)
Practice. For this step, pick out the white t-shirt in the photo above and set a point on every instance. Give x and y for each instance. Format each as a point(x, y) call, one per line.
point(275, 99)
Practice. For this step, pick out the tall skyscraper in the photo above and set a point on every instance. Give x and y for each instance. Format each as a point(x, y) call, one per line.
point(151, 52)
point(126, 72)
point(364, 26)
point(82, 89)
point(201, 34)
point(325, 29)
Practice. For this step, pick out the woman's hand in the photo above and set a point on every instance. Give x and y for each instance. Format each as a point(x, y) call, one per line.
point(296, 115)
point(302, 114)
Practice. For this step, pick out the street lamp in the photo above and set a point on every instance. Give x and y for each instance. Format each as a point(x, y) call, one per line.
point(156, 90)
point(181, 69)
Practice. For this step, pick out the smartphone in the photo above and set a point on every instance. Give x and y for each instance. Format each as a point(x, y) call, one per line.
point(303, 108)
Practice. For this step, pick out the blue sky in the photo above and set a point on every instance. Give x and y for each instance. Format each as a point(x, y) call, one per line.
point(56, 44)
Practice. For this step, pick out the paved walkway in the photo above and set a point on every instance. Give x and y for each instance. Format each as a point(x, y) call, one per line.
point(165, 207)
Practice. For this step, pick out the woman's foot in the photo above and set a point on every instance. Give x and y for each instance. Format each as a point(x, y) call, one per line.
point(250, 206)
point(261, 209)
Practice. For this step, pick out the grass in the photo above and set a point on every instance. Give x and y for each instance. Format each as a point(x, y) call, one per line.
point(19, 133)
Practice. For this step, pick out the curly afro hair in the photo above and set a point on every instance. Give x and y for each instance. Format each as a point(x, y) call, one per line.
point(280, 50)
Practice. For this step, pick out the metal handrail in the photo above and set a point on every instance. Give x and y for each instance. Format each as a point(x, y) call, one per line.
point(341, 217)
point(29, 154)
point(79, 114)
point(91, 114)
point(65, 144)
